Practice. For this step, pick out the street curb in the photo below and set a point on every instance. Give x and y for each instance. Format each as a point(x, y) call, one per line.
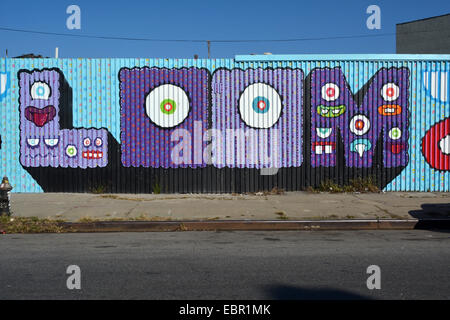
point(242, 225)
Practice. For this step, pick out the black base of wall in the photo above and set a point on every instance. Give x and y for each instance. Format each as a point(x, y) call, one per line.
point(204, 180)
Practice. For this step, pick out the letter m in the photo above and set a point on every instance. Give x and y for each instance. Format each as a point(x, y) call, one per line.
point(372, 122)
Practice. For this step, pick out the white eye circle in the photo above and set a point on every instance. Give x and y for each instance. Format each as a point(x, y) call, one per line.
point(390, 92)
point(359, 124)
point(86, 142)
point(71, 150)
point(395, 133)
point(330, 92)
point(51, 142)
point(167, 105)
point(32, 142)
point(260, 106)
point(40, 90)
point(98, 142)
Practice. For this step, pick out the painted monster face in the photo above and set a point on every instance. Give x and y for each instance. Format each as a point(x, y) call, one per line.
point(161, 109)
point(84, 147)
point(257, 118)
point(40, 141)
point(383, 107)
point(43, 141)
point(39, 99)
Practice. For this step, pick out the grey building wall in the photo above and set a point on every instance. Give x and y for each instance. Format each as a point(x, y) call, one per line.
point(431, 35)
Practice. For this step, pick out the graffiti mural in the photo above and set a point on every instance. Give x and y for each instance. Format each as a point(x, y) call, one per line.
point(384, 108)
point(181, 125)
point(257, 118)
point(46, 134)
point(163, 111)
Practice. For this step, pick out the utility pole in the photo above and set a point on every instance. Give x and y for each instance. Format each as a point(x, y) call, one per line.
point(209, 49)
point(56, 52)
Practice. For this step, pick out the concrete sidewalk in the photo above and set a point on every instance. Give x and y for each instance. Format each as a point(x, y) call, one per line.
point(288, 206)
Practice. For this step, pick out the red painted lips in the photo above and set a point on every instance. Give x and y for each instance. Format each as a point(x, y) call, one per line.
point(395, 147)
point(40, 116)
point(436, 145)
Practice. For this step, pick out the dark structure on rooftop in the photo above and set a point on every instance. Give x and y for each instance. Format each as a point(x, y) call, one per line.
point(30, 55)
point(430, 35)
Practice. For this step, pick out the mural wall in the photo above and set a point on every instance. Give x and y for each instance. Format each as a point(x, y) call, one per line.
point(224, 125)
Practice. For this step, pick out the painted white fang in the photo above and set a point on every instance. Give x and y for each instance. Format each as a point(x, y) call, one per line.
point(360, 148)
point(3, 79)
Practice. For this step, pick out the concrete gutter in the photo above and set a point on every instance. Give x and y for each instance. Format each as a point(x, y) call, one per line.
point(243, 225)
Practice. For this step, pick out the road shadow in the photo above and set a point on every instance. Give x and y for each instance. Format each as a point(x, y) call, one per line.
point(286, 292)
point(433, 216)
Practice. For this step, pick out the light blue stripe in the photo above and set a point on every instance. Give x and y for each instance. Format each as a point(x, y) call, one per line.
point(340, 57)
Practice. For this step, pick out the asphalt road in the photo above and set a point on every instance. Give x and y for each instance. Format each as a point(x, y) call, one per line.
point(227, 265)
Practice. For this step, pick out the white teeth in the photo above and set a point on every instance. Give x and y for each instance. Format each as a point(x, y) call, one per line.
point(324, 149)
point(360, 148)
point(324, 111)
point(444, 144)
point(336, 111)
point(323, 132)
point(92, 155)
point(389, 110)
